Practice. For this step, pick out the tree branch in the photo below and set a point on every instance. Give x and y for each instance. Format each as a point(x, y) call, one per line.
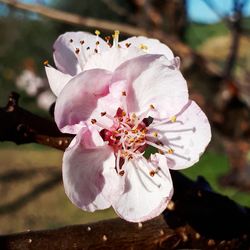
point(74, 18)
point(195, 216)
point(21, 126)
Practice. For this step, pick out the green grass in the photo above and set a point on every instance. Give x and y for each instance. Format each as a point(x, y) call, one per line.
point(197, 33)
point(212, 166)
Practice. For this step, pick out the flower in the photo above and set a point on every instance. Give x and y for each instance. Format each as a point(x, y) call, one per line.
point(75, 52)
point(133, 122)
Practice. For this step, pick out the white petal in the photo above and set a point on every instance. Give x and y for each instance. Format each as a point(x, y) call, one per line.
point(65, 56)
point(188, 136)
point(112, 58)
point(152, 80)
point(149, 45)
point(57, 80)
point(79, 99)
point(144, 196)
point(89, 177)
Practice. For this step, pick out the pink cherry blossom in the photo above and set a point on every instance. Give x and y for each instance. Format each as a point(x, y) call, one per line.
point(121, 111)
point(75, 52)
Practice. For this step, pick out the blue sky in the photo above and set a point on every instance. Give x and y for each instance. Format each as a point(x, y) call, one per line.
point(198, 11)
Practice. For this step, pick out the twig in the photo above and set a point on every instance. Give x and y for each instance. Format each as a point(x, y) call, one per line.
point(75, 19)
point(21, 126)
point(154, 234)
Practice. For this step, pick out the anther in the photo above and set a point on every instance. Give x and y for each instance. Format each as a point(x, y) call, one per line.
point(103, 113)
point(97, 32)
point(93, 121)
point(96, 51)
point(87, 48)
point(46, 63)
point(155, 134)
point(82, 42)
point(143, 47)
point(71, 40)
point(77, 51)
point(121, 173)
point(152, 173)
point(97, 43)
point(128, 45)
point(124, 93)
point(152, 106)
point(173, 119)
point(170, 151)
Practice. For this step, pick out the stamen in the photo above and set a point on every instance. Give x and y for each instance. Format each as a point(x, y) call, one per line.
point(95, 122)
point(143, 47)
point(116, 38)
point(80, 56)
point(97, 32)
point(124, 103)
point(46, 63)
point(183, 157)
point(118, 159)
point(108, 38)
point(173, 119)
point(168, 150)
point(122, 172)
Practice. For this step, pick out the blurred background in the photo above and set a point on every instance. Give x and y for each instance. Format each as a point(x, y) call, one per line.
point(211, 37)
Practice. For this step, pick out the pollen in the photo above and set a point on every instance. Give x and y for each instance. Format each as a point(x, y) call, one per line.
point(46, 63)
point(155, 134)
point(121, 173)
point(93, 121)
point(97, 32)
point(117, 32)
point(173, 119)
point(143, 46)
point(170, 151)
point(123, 113)
point(152, 173)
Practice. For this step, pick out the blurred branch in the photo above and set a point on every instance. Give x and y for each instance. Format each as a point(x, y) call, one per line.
point(21, 126)
point(115, 7)
point(179, 48)
point(190, 213)
point(219, 224)
point(75, 19)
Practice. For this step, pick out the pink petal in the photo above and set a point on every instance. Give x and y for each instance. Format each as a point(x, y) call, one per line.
point(112, 58)
point(152, 80)
point(89, 177)
point(144, 196)
point(57, 80)
point(79, 99)
point(188, 136)
point(66, 45)
point(153, 46)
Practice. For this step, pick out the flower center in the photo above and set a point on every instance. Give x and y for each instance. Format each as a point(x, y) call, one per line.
point(131, 135)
